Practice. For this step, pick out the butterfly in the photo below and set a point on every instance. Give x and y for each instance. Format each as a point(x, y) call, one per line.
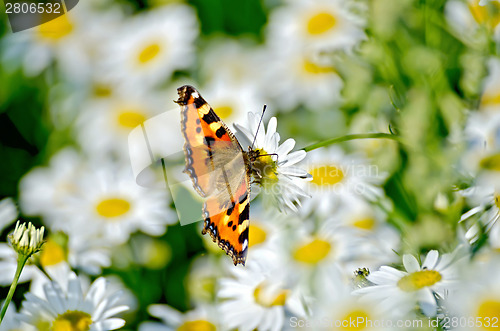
point(220, 171)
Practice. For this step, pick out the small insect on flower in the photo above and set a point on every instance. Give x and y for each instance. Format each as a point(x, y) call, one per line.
point(419, 284)
point(27, 240)
point(221, 170)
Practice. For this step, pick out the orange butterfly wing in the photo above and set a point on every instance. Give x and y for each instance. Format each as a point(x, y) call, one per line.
point(219, 170)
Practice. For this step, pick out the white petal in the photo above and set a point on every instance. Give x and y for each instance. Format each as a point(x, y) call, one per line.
point(53, 294)
point(410, 263)
point(431, 259)
point(471, 212)
point(286, 147)
point(294, 171)
point(114, 311)
point(109, 324)
point(75, 295)
point(166, 313)
point(271, 126)
point(294, 157)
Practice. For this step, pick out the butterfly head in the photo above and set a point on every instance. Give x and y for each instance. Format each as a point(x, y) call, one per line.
point(185, 93)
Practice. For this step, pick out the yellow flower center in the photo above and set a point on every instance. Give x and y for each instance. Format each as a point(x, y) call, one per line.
point(198, 325)
point(488, 15)
point(114, 207)
point(313, 251)
point(367, 223)
point(326, 175)
point(130, 118)
point(149, 53)
point(224, 111)
point(52, 253)
point(265, 298)
point(315, 69)
point(490, 99)
point(72, 321)
point(491, 162)
point(257, 235)
point(55, 29)
point(418, 280)
point(355, 315)
point(265, 166)
point(490, 309)
point(320, 23)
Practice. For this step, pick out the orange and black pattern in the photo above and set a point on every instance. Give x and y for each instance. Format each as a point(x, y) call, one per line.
point(209, 147)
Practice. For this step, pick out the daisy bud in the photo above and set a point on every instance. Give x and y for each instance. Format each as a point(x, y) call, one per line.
point(27, 240)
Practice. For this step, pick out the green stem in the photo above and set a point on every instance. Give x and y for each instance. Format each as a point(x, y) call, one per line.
point(351, 137)
point(21, 261)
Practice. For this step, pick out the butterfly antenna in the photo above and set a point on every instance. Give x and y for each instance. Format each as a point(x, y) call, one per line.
point(258, 127)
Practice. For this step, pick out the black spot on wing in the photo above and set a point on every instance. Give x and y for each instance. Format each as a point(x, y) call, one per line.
point(245, 214)
point(210, 117)
point(243, 236)
point(199, 102)
point(198, 129)
point(220, 132)
point(230, 224)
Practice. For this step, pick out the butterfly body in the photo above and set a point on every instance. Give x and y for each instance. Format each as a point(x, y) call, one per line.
point(220, 171)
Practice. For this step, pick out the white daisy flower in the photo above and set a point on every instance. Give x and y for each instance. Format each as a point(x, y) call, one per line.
point(301, 34)
point(339, 178)
point(67, 306)
point(257, 297)
point(200, 318)
point(301, 73)
point(479, 295)
point(69, 40)
point(8, 213)
point(275, 169)
point(111, 205)
point(151, 46)
point(470, 18)
point(326, 24)
point(103, 124)
point(399, 291)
